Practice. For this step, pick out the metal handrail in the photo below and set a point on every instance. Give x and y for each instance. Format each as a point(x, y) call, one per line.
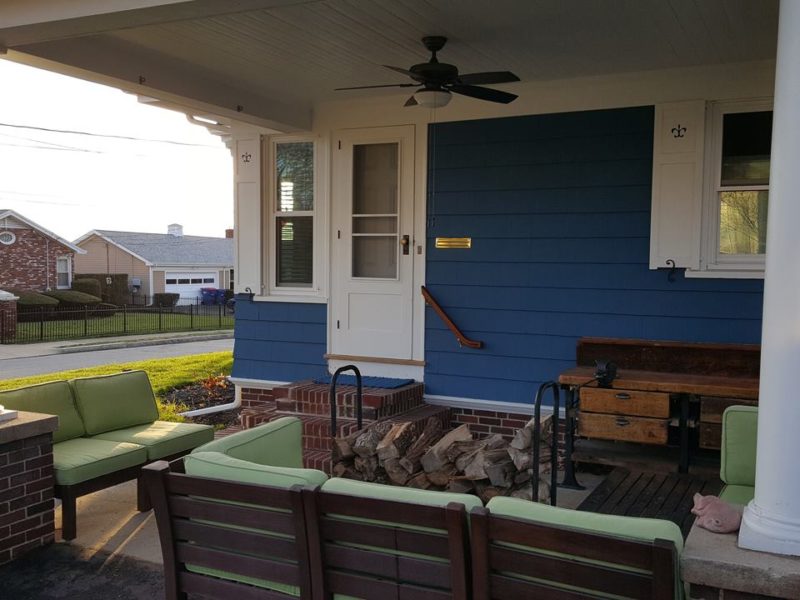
point(332, 396)
point(537, 436)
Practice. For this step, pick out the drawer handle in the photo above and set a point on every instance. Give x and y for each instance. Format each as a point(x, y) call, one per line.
point(622, 422)
point(623, 396)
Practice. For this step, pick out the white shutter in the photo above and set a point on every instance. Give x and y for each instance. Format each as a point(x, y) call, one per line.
point(247, 213)
point(677, 184)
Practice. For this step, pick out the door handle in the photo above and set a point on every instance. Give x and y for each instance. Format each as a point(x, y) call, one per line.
point(405, 242)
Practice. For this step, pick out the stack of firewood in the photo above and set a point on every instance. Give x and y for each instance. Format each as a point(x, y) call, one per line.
point(399, 453)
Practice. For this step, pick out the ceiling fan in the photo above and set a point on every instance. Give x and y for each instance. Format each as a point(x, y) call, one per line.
point(436, 81)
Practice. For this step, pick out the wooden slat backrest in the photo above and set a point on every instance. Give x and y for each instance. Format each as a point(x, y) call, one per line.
point(243, 530)
point(512, 558)
point(371, 559)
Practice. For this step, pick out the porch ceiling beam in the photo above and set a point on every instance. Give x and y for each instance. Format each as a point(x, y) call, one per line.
point(26, 22)
point(148, 73)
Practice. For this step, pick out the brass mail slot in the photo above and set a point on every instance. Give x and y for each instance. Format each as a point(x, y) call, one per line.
point(462, 242)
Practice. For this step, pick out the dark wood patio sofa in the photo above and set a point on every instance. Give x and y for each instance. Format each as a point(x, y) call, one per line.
point(299, 534)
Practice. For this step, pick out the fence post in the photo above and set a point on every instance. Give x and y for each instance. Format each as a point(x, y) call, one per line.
point(85, 320)
point(191, 316)
point(124, 318)
point(41, 323)
point(159, 317)
point(219, 313)
point(2, 326)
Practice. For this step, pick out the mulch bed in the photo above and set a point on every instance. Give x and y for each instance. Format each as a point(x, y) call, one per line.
point(213, 391)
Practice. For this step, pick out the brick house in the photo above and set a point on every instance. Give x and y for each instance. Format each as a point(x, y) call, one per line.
point(31, 257)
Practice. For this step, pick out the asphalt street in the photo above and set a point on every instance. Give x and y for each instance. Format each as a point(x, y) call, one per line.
point(24, 366)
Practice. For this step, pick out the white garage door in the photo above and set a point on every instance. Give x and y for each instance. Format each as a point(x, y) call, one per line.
point(188, 285)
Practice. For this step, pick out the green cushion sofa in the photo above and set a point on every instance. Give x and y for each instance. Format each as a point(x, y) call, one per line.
point(240, 517)
point(738, 454)
point(108, 428)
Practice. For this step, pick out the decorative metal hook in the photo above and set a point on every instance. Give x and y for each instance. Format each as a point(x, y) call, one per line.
point(672, 270)
point(250, 293)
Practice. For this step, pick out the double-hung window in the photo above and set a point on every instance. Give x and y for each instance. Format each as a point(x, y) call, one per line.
point(63, 272)
point(293, 216)
point(737, 186)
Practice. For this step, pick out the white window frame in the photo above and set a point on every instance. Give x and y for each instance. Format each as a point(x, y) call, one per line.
point(317, 291)
point(712, 262)
point(68, 260)
point(11, 240)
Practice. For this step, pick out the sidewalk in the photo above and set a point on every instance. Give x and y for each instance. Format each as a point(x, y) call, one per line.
point(10, 351)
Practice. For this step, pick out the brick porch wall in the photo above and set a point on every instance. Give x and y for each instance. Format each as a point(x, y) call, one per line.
point(8, 320)
point(29, 261)
point(26, 496)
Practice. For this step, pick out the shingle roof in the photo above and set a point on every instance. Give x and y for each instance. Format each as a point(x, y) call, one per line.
point(167, 249)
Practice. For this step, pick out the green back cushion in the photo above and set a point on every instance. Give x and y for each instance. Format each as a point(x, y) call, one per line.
point(54, 398)
point(738, 459)
point(116, 401)
point(221, 466)
point(379, 491)
point(278, 444)
point(738, 494)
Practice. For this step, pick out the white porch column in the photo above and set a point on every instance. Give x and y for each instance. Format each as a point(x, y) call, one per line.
point(771, 521)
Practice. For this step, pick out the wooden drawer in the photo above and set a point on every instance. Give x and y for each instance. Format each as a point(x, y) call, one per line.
point(624, 429)
point(625, 402)
point(711, 408)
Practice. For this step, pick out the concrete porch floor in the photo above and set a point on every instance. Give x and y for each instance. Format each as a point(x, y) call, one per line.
point(117, 554)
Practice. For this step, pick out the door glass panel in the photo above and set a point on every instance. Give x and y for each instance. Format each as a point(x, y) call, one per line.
point(374, 210)
point(375, 256)
point(374, 224)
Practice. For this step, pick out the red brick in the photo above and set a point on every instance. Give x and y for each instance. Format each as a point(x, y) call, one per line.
point(26, 477)
point(39, 461)
point(25, 525)
point(39, 532)
point(12, 469)
point(30, 262)
point(516, 423)
point(37, 486)
point(25, 501)
point(12, 517)
point(38, 508)
point(11, 541)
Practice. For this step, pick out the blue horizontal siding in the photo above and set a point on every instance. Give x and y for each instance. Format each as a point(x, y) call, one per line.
point(279, 341)
point(558, 209)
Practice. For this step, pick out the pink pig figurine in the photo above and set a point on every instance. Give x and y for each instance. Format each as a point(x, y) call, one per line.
point(716, 515)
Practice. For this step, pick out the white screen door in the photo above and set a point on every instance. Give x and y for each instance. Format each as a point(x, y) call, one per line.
point(373, 218)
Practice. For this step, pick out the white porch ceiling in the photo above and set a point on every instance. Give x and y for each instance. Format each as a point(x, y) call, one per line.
point(275, 59)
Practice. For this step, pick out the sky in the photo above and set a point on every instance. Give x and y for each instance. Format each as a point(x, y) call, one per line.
point(71, 183)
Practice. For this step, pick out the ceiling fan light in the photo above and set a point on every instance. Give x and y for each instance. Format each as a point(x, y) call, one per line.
point(432, 98)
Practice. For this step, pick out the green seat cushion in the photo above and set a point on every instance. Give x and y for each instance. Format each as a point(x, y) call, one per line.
point(379, 491)
point(81, 459)
point(636, 528)
point(738, 494)
point(278, 443)
point(738, 458)
point(54, 398)
point(221, 466)
point(162, 438)
point(110, 402)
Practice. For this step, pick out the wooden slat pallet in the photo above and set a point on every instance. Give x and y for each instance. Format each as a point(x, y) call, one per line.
point(638, 493)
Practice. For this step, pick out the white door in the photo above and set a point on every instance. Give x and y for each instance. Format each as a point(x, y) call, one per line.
point(373, 201)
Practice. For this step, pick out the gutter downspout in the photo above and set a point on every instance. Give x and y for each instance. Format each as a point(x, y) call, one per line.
point(215, 409)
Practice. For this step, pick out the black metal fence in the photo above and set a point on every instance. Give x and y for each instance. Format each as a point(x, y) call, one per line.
point(39, 324)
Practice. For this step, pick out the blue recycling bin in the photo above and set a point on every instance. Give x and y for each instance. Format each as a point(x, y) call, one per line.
point(221, 297)
point(208, 296)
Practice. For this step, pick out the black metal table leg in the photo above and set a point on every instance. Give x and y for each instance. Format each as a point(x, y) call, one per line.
point(683, 427)
point(569, 480)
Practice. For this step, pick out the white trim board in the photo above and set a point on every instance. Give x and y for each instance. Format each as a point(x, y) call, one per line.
point(258, 384)
point(490, 405)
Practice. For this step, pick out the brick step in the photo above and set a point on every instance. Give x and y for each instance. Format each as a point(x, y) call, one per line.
point(307, 397)
point(317, 459)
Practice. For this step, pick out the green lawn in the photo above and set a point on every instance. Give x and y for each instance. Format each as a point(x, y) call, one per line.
point(165, 374)
point(120, 324)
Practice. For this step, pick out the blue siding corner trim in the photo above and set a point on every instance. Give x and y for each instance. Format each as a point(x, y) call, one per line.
point(558, 208)
point(276, 341)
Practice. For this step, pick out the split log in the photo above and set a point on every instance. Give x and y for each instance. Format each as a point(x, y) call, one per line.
point(346, 471)
point(395, 443)
point(486, 492)
point(460, 486)
point(522, 458)
point(366, 443)
point(368, 466)
point(396, 473)
point(419, 481)
point(444, 475)
point(525, 493)
point(429, 436)
point(436, 457)
point(468, 447)
point(501, 473)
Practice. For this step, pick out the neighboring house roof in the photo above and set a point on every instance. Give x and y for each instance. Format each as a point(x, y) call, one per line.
point(164, 249)
point(6, 213)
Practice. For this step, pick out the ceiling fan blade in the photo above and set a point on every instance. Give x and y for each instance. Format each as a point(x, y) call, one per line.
point(411, 102)
point(366, 87)
point(404, 72)
point(487, 77)
point(482, 93)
